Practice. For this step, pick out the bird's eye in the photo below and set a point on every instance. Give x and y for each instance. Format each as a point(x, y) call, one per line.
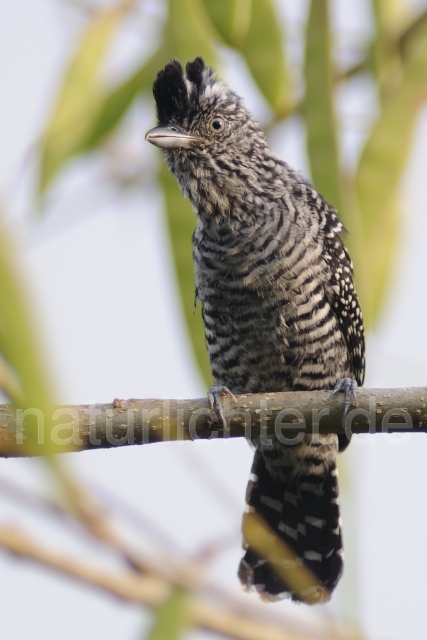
point(217, 125)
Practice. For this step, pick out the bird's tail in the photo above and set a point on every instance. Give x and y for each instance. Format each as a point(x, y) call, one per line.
point(299, 553)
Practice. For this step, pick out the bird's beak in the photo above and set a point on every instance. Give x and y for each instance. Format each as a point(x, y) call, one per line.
point(170, 138)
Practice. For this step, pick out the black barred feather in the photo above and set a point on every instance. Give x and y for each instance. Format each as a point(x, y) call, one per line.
point(275, 283)
point(299, 509)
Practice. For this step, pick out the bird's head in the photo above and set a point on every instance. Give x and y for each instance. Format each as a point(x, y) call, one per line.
point(195, 109)
point(205, 130)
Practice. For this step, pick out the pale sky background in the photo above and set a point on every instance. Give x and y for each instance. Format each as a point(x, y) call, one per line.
point(99, 270)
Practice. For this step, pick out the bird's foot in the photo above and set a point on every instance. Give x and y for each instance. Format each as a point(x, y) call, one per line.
point(348, 387)
point(214, 396)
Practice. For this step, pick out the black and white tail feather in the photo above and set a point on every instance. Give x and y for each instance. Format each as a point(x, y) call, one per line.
point(275, 283)
point(303, 512)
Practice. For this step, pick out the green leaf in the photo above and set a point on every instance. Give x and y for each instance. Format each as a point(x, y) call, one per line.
point(181, 224)
point(189, 32)
point(411, 34)
point(319, 106)
point(114, 105)
point(171, 618)
point(231, 19)
point(386, 54)
point(79, 98)
point(264, 52)
point(24, 376)
point(380, 170)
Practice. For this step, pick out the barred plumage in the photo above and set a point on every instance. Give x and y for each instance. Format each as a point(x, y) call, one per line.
point(280, 311)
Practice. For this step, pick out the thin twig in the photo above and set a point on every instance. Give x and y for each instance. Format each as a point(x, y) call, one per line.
point(152, 590)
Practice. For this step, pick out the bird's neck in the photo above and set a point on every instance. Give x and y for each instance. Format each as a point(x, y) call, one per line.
point(240, 193)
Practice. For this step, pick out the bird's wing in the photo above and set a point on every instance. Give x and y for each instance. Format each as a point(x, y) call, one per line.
point(342, 297)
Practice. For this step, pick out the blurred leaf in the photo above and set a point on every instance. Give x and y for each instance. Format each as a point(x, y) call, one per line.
point(9, 381)
point(171, 618)
point(79, 98)
point(411, 34)
point(22, 361)
point(181, 224)
point(231, 19)
point(319, 106)
point(380, 170)
point(264, 52)
point(188, 32)
point(115, 104)
point(404, 39)
point(387, 60)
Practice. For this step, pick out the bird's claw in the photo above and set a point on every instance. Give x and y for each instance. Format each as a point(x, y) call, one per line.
point(214, 396)
point(347, 386)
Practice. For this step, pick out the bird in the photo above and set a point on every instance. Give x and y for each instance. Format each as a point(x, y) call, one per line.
point(280, 312)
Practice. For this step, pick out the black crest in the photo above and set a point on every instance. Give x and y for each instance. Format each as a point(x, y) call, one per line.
point(171, 91)
point(194, 71)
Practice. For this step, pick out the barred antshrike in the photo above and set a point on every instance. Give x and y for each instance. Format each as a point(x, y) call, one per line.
point(279, 307)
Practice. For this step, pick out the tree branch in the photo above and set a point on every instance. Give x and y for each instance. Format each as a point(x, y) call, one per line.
point(284, 416)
